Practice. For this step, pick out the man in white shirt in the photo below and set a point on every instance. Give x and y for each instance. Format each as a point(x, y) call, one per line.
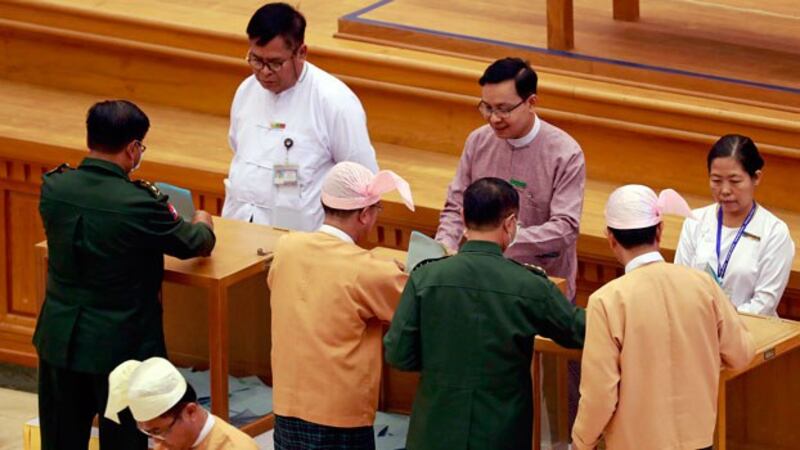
point(290, 123)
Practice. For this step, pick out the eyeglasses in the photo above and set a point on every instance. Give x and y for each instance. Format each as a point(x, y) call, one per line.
point(160, 434)
point(142, 147)
point(503, 113)
point(273, 66)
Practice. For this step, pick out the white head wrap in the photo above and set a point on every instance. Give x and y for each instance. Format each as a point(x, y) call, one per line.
point(635, 206)
point(149, 388)
point(350, 186)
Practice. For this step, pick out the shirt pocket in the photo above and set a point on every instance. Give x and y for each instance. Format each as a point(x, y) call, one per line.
point(534, 208)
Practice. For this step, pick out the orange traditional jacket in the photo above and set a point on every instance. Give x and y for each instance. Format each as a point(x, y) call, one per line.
point(655, 341)
point(329, 301)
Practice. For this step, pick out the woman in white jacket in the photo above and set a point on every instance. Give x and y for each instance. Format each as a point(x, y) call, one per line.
point(747, 248)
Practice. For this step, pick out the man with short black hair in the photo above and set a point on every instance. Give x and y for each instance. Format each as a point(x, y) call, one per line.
point(543, 163)
point(656, 339)
point(106, 238)
point(467, 323)
point(290, 123)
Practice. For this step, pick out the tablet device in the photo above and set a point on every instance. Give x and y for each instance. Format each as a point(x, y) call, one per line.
point(180, 198)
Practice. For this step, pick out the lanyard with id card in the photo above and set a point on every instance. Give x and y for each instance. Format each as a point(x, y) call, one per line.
point(286, 174)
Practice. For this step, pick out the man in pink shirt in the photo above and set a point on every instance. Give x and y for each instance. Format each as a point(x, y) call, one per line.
point(329, 299)
point(541, 161)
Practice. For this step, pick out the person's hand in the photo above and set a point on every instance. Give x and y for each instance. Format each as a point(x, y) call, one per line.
point(201, 216)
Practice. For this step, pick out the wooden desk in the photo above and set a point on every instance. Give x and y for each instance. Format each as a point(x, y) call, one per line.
point(235, 258)
point(758, 405)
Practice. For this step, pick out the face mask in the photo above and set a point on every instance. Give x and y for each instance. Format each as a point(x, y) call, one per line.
point(138, 163)
point(516, 235)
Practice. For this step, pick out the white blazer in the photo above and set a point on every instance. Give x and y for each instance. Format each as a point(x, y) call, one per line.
point(759, 267)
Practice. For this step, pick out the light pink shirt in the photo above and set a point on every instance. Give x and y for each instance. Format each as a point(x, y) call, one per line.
point(553, 169)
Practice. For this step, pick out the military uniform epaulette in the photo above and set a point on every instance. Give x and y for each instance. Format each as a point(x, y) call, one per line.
point(425, 262)
point(60, 169)
point(149, 187)
point(533, 268)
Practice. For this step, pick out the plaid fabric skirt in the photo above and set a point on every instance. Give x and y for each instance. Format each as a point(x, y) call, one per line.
point(292, 433)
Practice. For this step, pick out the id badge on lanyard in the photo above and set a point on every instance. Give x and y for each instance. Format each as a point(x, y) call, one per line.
point(286, 174)
point(722, 266)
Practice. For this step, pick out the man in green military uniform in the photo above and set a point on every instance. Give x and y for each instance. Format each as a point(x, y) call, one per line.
point(467, 323)
point(106, 238)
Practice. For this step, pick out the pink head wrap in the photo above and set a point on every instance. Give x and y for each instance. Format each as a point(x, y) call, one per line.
point(350, 186)
point(634, 206)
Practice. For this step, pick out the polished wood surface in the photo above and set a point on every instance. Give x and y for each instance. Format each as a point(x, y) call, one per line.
point(626, 10)
point(240, 247)
point(708, 37)
point(560, 32)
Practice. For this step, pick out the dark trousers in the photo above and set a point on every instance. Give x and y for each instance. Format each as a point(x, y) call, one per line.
point(68, 402)
point(292, 433)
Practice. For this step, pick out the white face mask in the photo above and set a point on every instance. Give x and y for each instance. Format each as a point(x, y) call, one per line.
point(136, 165)
point(516, 235)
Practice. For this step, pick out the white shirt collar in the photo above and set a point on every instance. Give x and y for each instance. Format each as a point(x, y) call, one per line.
point(336, 232)
point(639, 261)
point(528, 138)
point(206, 429)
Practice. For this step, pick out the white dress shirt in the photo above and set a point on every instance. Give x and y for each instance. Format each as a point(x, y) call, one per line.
point(207, 426)
point(336, 232)
point(760, 265)
point(643, 259)
point(326, 124)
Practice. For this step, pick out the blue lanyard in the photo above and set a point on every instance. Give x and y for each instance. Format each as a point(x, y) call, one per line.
point(723, 267)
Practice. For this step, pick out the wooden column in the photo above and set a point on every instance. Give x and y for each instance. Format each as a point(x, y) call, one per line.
point(626, 10)
point(560, 33)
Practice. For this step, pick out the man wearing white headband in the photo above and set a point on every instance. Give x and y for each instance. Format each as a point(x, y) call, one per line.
point(165, 408)
point(329, 298)
point(655, 338)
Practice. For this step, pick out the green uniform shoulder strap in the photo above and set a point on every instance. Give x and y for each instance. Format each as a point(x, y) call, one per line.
point(60, 169)
point(151, 188)
point(533, 268)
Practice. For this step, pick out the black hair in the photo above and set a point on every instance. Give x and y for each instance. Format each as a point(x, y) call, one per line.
point(277, 19)
point(190, 396)
point(633, 238)
point(525, 79)
point(739, 147)
point(341, 213)
point(488, 201)
point(113, 124)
